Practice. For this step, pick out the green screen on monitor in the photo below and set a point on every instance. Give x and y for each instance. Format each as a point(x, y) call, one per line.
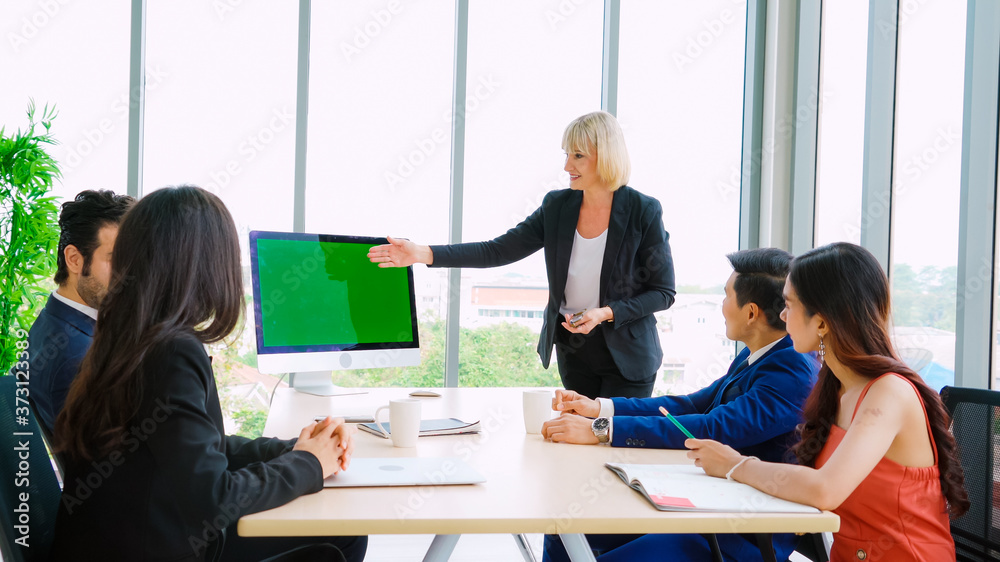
point(321, 293)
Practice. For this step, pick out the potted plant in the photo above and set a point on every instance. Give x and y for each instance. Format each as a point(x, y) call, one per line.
point(29, 229)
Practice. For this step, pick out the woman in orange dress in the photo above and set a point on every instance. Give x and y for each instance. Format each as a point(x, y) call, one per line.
point(875, 446)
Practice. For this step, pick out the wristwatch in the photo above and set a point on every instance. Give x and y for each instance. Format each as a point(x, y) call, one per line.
point(600, 427)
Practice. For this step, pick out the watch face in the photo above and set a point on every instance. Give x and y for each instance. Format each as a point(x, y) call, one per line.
point(600, 424)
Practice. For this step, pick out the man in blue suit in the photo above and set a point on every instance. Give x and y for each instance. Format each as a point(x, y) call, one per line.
point(753, 408)
point(62, 333)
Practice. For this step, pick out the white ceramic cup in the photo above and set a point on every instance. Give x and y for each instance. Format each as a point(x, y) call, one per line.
point(537, 406)
point(404, 421)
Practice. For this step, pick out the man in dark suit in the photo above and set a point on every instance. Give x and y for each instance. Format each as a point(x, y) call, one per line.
point(753, 408)
point(62, 333)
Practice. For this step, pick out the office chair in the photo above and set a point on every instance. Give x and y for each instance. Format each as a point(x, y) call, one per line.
point(815, 546)
point(975, 423)
point(46, 435)
point(24, 454)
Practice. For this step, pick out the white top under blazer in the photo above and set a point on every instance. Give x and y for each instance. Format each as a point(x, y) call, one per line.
point(583, 283)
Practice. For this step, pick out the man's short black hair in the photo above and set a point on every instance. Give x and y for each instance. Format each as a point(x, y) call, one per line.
point(82, 219)
point(760, 279)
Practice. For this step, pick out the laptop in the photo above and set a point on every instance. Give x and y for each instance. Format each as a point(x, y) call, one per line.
point(405, 471)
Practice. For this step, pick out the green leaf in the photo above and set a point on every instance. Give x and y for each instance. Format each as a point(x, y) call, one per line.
point(29, 229)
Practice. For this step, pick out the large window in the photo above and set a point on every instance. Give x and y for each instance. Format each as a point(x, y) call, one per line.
point(379, 145)
point(994, 381)
point(841, 101)
point(522, 94)
point(681, 105)
point(76, 58)
point(926, 185)
point(221, 115)
point(220, 84)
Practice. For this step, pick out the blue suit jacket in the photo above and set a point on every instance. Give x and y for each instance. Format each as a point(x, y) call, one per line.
point(57, 342)
point(637, 274)
point(759, 418)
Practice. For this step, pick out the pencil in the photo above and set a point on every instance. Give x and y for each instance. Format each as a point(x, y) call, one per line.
point(677, 423)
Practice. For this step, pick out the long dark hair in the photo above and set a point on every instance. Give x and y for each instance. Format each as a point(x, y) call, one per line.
point(846, 286)
point(175, 269)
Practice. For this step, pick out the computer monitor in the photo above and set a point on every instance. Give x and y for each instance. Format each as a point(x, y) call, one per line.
point(320, 305)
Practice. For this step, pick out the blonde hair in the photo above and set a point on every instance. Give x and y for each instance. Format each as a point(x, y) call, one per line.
point(599, 131)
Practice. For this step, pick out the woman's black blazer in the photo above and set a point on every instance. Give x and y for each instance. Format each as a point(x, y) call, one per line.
point(176, 480)
point(637, 276)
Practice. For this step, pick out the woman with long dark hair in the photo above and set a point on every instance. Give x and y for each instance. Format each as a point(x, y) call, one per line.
point(875, 446)
point(150, 474)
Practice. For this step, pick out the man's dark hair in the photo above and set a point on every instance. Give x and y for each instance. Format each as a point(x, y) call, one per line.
point(760, 279)
point(82, 219)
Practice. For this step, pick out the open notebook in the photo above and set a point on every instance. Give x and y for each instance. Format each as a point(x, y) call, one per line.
point(676, 487)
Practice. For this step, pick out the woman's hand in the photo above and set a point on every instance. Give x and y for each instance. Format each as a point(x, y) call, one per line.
point(569, 402)
point(717, 459)
point(590, 320)
point(329, 441)
point(400, 252)
point(570, 428)
point(346, 433)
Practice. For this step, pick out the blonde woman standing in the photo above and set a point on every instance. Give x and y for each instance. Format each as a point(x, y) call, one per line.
point(606, 255)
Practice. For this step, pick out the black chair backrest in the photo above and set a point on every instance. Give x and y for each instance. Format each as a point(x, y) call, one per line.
point(29, 492)
point(975, 414)
point(46, 435)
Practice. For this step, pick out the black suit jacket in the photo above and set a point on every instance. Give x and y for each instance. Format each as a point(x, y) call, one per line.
point(637, 276)
point(177, 479)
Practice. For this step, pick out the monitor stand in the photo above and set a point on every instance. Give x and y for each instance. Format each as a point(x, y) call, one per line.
point(316, 382)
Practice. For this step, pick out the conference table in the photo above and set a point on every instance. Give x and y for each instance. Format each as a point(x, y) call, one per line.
point(532, 485)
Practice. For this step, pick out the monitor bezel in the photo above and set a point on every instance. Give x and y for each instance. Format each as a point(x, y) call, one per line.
point(256, 235)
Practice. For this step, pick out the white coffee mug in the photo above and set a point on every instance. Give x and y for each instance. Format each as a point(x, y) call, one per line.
point(404, 421)
point(537, 406)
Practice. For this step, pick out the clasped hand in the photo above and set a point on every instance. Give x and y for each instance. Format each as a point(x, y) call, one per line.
point(331, 441)
point(573, 426)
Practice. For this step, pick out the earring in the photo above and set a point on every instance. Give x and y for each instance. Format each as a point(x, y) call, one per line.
point(822, 349)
